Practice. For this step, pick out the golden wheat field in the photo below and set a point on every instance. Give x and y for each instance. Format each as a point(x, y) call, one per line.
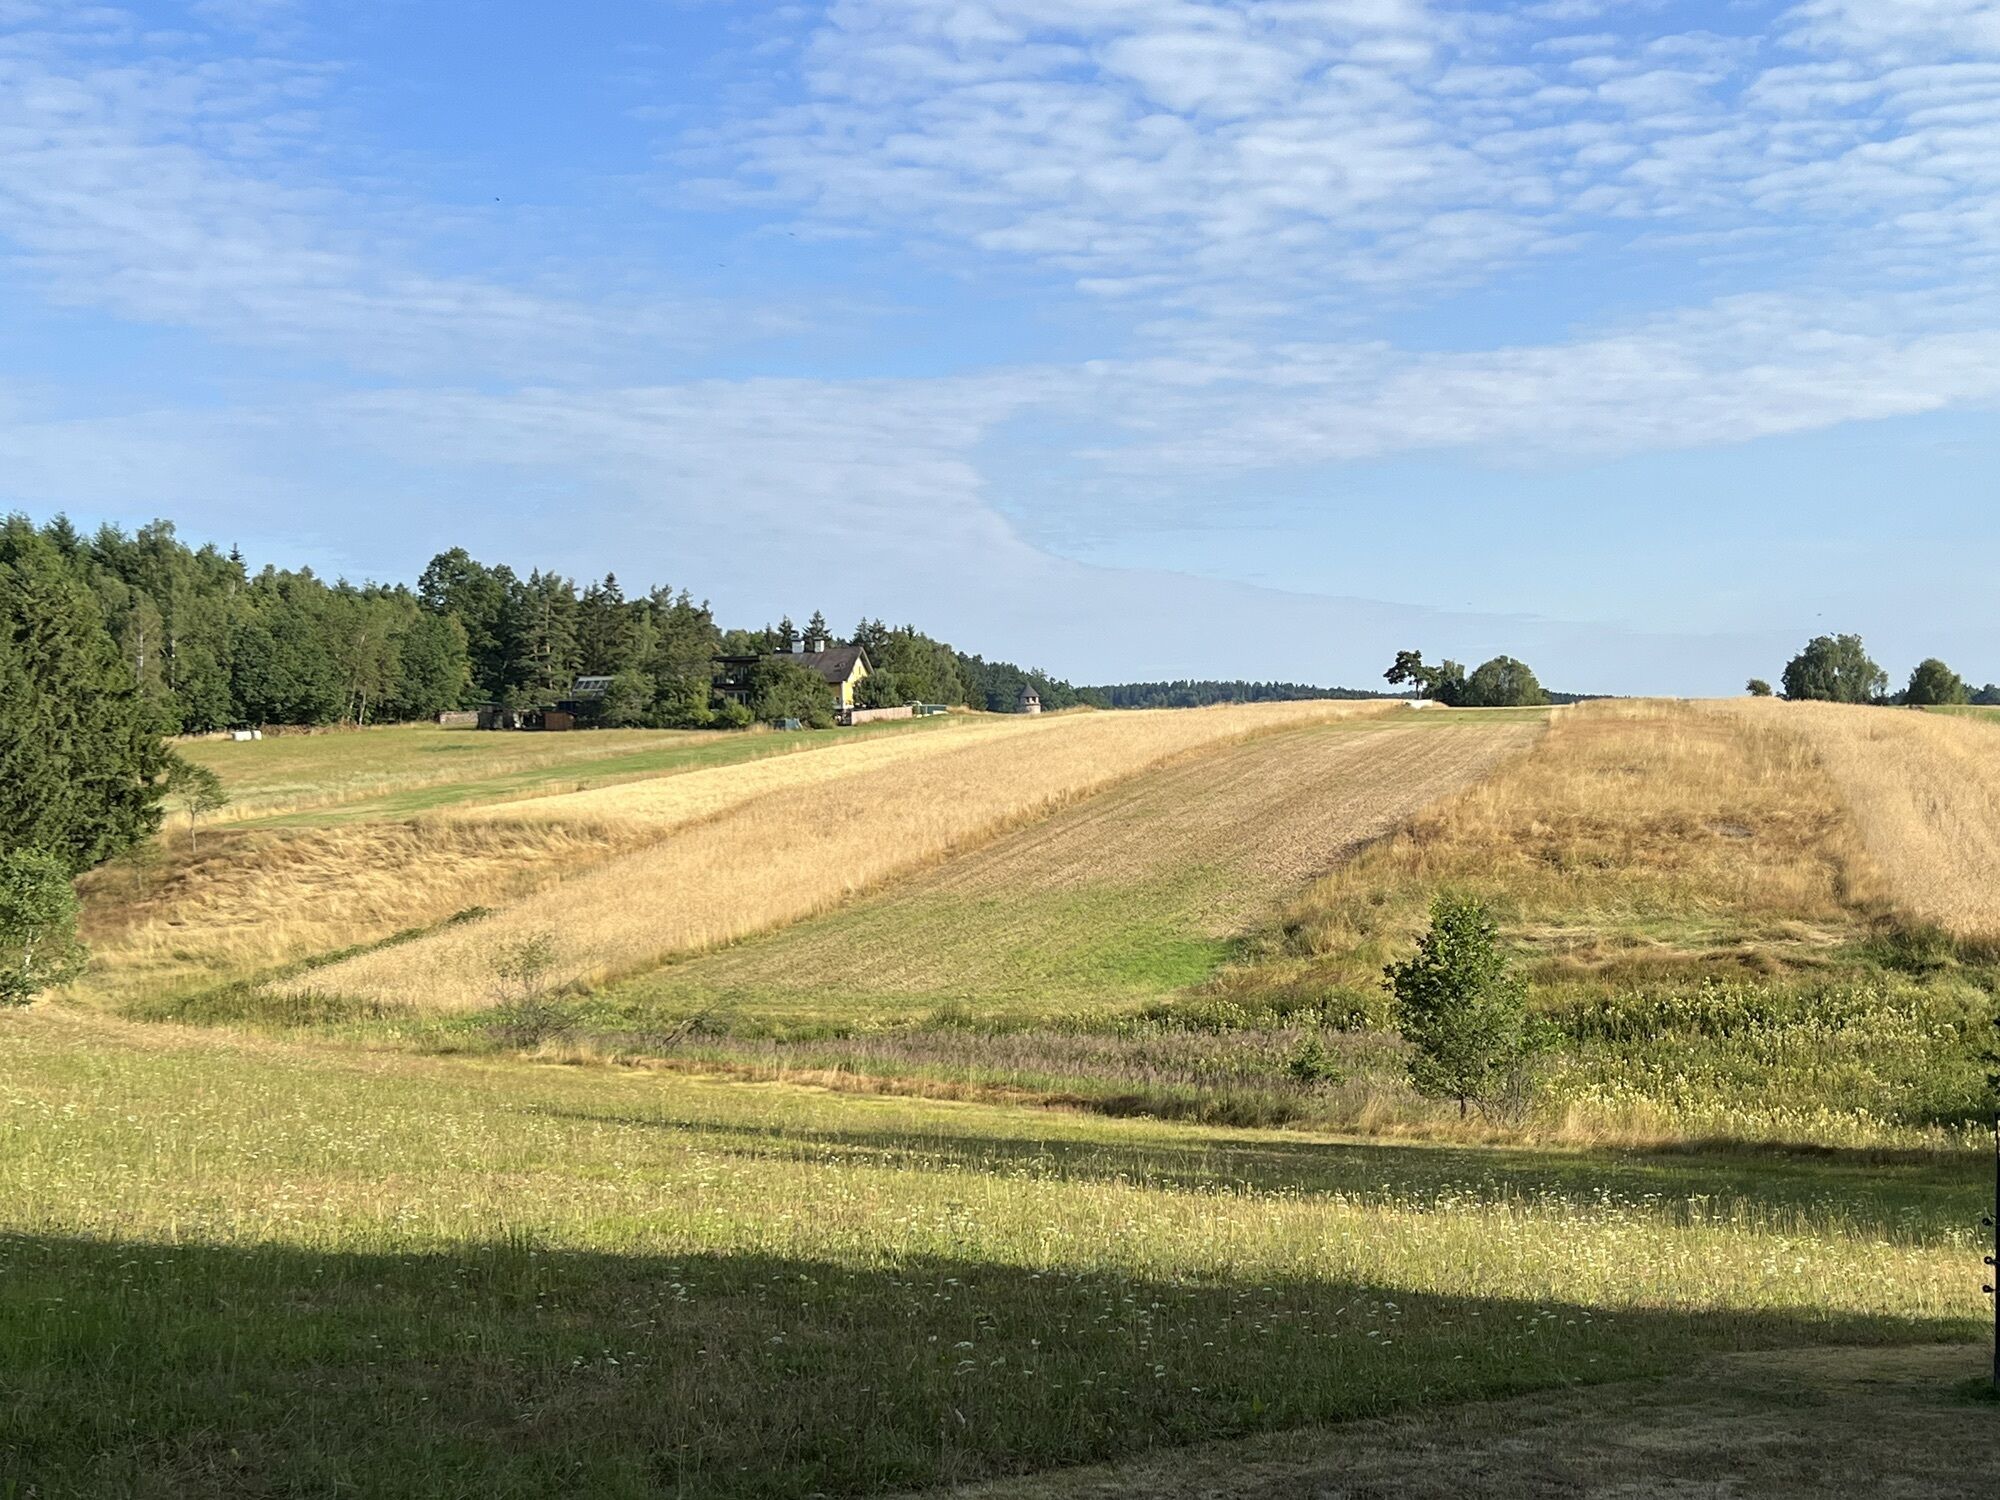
point(797, 850)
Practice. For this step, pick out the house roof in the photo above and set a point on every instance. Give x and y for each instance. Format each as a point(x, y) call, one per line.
point(836, 663)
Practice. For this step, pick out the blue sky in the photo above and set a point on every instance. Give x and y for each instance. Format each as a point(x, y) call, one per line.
point(1637, 338)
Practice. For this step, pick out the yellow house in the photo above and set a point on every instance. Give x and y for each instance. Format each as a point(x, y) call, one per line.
point(843, 666)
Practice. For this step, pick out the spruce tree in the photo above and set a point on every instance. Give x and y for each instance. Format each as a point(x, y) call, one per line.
point(80, 760)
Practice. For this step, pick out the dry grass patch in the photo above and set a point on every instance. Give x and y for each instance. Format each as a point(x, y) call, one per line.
point(1924, 790)
point(1635, 834)
point(252, 900)
point(801, 849)
point(1883, 1424)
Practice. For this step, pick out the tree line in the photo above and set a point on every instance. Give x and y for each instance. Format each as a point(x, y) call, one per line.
point(209, 643)
point(1502, 682)
point(1838, 669)
point(1201, 692)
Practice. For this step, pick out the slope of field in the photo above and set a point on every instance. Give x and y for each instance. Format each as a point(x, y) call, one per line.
point(1131, 894)
point(1925, 792)
point(1637, 837)
point(659, 804)
point(244, 1267)
point(300, 780)
point(796, 850)
point(272, 888)
point(1815, 1424)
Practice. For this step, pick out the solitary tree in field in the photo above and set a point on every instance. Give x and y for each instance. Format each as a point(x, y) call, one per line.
point(1459, 1007)
point(196, 791)
point(1757, 687)
point(1935, 683)
point(1835, 669)
point(38, 946)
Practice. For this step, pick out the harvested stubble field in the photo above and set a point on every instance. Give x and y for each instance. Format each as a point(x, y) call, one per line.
point(1129, 895)
point(264, 1267)
point(796, 850)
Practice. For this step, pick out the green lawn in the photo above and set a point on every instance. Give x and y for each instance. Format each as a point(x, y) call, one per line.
point(244, 1266)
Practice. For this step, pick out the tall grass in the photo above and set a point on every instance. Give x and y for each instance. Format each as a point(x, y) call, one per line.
point(800, 849)
point(1634, 838)
point(666, 802)
point(1924, 790)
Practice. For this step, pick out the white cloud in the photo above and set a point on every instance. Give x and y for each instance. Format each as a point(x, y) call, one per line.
point(1901, 30)
point(1220, 155)
point(155, 178)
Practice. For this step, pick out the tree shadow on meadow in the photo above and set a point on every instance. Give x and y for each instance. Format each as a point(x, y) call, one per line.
point(517, 1368)
point(1921, 1202)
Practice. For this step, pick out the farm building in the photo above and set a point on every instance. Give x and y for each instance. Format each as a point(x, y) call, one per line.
point(590, 687)
point(1030, 701)
point(844, 668)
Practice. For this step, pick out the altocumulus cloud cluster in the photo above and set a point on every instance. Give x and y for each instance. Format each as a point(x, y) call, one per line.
point(1338, 274)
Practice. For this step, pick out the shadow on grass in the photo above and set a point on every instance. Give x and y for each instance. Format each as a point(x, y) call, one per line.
point(1935, 1202)
point(509, 1368)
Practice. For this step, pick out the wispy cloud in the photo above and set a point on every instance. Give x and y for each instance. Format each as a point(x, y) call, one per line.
point(168, 179)
point(1214, 153)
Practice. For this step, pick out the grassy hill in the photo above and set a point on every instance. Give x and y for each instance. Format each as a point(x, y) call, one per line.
point(897, 1109)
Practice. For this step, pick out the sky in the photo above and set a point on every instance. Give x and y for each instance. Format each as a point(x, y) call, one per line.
point(1128, 338)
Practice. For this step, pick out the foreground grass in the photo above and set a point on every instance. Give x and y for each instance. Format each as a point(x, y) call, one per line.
point(282, 1270)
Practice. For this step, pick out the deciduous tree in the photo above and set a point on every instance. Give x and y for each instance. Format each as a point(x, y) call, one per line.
point(1459, 1006)
point(1835, 669)
point(38, 946)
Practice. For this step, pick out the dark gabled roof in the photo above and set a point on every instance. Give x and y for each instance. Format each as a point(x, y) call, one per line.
point(835, 664)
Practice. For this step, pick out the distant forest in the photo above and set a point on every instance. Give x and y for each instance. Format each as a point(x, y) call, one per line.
point(1192, 693)
point(211, 643)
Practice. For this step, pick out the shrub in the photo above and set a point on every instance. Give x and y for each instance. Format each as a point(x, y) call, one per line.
point(1460, 1008)
point(529, 1022)
point(38, 946)
point(1314, 1064)
point(521, 967)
